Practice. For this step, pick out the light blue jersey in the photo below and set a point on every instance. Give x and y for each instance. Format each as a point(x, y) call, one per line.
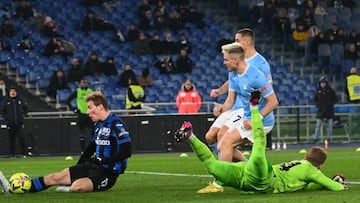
point(260, 63)
point(243, 84)
point(238, 102)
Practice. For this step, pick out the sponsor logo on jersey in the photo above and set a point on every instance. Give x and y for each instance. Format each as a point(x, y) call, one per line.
point(102, 142)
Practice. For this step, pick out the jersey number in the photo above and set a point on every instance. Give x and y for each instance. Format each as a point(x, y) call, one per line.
point(288, 166)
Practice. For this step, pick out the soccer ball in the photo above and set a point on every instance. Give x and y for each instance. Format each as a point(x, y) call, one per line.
point(19, 183)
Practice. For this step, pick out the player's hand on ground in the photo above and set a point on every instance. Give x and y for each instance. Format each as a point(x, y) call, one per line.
point(214, 93)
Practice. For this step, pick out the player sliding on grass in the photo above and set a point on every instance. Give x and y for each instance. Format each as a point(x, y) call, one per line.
point(112, 147)
point(258, 175)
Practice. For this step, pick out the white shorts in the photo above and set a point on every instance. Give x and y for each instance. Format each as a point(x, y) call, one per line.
point(247, 133)
point(235, 119)
point(222, 119)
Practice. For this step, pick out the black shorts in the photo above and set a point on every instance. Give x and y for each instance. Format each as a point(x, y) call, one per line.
point(102, 179)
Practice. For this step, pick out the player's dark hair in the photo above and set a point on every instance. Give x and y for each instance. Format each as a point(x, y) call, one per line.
point(247, 32)
point(316, 156)
point(98, 99)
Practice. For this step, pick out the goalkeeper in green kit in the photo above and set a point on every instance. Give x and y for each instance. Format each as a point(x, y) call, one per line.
point(258, 175)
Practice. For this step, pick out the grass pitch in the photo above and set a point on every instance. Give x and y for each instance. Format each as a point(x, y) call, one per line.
point(168, 177)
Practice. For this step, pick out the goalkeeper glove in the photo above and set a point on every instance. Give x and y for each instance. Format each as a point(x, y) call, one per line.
point(255, 97)
point(340, 178)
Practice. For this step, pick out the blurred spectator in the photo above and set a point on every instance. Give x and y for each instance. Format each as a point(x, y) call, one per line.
point(2, 90)
point(126, 75)
point(175, 22)
point(332, 30)
point(50, 27)
point(320, 10)
point(354, 38)
point(226, 40)
point(24, 10)
point(145, 78)
point(318, 39)
point(160, 15)
point(352, 86)
point(7, 29)
point(300, 36)
point(135, 95)
point(132, 33)
point(25, 44)
point(52, 47)
point(59, 47)
point(143, 8)
point(93, 22)
point(141, 45)
point(75, 72)
point(147, 22)
point(84, 122)
point(267, 16)
point(93, 65)
point(307, 18)
point(88, 23)
point(193, 16)
point(184, 43)
point(169, 45)
point(165, 65)
point(313, 31)
point(5, 11)
point(278, 21)
point(325, 99)
point(288, 28)
point(37, 23)
point(341, 37)
point(188, 99)
point(14, 109)
point(156, 45)
point(57, 82)
point(351, 53)
point(109, 67)
point(183, 62)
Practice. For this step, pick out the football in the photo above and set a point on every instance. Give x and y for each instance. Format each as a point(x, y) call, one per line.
point(19, 183)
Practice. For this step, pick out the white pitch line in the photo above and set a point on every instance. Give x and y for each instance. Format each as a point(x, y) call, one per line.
point(193, 175)
point(169, 174)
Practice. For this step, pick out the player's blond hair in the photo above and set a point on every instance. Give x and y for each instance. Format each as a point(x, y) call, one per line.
point(234, 48)
point(98, 98)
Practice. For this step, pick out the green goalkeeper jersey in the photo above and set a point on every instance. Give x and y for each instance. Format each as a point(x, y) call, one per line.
point(301, 174)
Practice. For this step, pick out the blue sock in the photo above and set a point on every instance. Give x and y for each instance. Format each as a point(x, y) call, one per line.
point(37, 184)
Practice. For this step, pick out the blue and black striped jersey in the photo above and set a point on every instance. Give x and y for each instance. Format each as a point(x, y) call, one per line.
point(110, 137)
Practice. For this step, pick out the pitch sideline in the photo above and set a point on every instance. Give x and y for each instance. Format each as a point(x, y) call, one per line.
point(195, 175)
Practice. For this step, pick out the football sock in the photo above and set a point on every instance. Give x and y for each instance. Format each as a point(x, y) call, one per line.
point(37, 184)
point(214, 148)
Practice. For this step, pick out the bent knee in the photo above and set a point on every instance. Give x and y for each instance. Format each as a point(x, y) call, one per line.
point(210, 137)
point(82, 185)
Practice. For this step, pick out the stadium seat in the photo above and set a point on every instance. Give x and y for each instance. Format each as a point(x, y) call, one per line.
point(62, 95)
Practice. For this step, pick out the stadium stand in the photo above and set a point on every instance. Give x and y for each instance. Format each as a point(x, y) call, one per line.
point(34, 69)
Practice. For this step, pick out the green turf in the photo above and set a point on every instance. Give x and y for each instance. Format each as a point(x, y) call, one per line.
point(135, 187)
